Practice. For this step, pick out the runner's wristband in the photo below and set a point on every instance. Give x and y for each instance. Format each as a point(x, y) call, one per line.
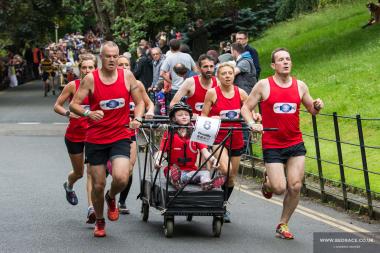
point(86, 113)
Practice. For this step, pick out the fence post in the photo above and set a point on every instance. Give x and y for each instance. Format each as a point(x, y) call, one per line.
point(364, 162)
point(340, 158)
point(319, 162)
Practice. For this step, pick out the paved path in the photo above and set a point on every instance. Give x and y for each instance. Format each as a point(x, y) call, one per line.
point(36, 217)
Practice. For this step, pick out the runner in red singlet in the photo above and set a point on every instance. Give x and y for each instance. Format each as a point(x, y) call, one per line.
point(225, 102)
point(76, 134)
point(109, 90)
point(281, 96)
point(124, 63)
point(195, 88)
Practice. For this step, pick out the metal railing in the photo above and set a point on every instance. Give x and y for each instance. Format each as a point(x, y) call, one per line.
point(355, 127)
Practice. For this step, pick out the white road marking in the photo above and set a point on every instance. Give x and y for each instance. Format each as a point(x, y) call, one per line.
point(29, 123)
point(60, 123)
point(342, 225)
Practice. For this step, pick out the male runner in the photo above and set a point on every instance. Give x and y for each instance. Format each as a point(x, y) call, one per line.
point(280, 96)
point(109, 90)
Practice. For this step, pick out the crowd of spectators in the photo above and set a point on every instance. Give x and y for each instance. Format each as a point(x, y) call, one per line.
point(23, 64)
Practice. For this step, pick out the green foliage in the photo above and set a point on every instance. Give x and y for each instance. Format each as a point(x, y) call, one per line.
point(141, 19)
point(35, 20)
point(253, 21)
point(289, 8)
point(127, 32)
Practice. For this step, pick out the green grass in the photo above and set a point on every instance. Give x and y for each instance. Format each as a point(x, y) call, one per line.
point(340, 62)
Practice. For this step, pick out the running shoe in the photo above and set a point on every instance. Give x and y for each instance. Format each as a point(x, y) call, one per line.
point(123, 208)
point(70, 195)
point(214, 183)
point(91, 217)
point(100, 228)
point(282, 231)
point(264, 190)
point(113, 212)
point(175, 177)
point(226, 217)
point(218, 181)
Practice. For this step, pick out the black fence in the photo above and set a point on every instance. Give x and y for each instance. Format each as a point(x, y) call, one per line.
point(331, 125)
point(357, 125)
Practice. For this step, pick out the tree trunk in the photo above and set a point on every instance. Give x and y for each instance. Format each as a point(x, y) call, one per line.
point(103, 18)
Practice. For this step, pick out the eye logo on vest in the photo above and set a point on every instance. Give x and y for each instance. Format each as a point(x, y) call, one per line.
point(199, 106)
point(288, 108)
point(132, 106)
point(112, 104)
point(230, 114)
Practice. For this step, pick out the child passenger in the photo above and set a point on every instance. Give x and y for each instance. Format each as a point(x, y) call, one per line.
point(183, 153)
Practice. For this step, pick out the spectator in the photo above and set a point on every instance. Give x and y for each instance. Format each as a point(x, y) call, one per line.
point(160, 101)
point(12, 73)
point(174, 58)
point(245, 76)
point(182, 71)
point(163, 46)
point(184, 48)
point(37, 57)
point(158, 59)
point(143, 69)
point(214, 55)
point(199, 37)
point(28, 55)
point(224, 47)
point(245, 72)
point(242, 38)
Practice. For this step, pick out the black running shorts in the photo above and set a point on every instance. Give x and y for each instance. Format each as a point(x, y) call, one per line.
point(281, 155)
point(98, 154)
point(74, 147)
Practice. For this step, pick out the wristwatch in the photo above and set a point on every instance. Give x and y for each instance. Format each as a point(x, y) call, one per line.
point(67, 113)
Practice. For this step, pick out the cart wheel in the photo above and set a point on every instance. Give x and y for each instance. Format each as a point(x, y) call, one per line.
point(145, 212)
point(189, 217)
point(216, 227)
point(169, 227)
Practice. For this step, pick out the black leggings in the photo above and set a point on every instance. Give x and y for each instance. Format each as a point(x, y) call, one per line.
point(125, 192)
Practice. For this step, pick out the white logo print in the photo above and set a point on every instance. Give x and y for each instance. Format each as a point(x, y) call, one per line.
point(112, 104)
point(132, 106)
point(284, 107)
point(199, 106)
point(230, 114)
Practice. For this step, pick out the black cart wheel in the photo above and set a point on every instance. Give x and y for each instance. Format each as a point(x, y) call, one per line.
point(189, 217)
point(169, 228)
point(145, 211)
point(217, 226)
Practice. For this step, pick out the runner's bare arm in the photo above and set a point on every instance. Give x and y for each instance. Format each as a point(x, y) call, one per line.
point(137, 96)
point(68, 90)
point(251, 102)
point(312, 106)
point(147, 102)
point(86, 86)
point(185, 90)
point(209, 101)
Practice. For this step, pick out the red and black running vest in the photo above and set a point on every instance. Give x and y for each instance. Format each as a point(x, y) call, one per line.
point(196, 101)
point(77, 128)
point(113, 100)
point(281, 110)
